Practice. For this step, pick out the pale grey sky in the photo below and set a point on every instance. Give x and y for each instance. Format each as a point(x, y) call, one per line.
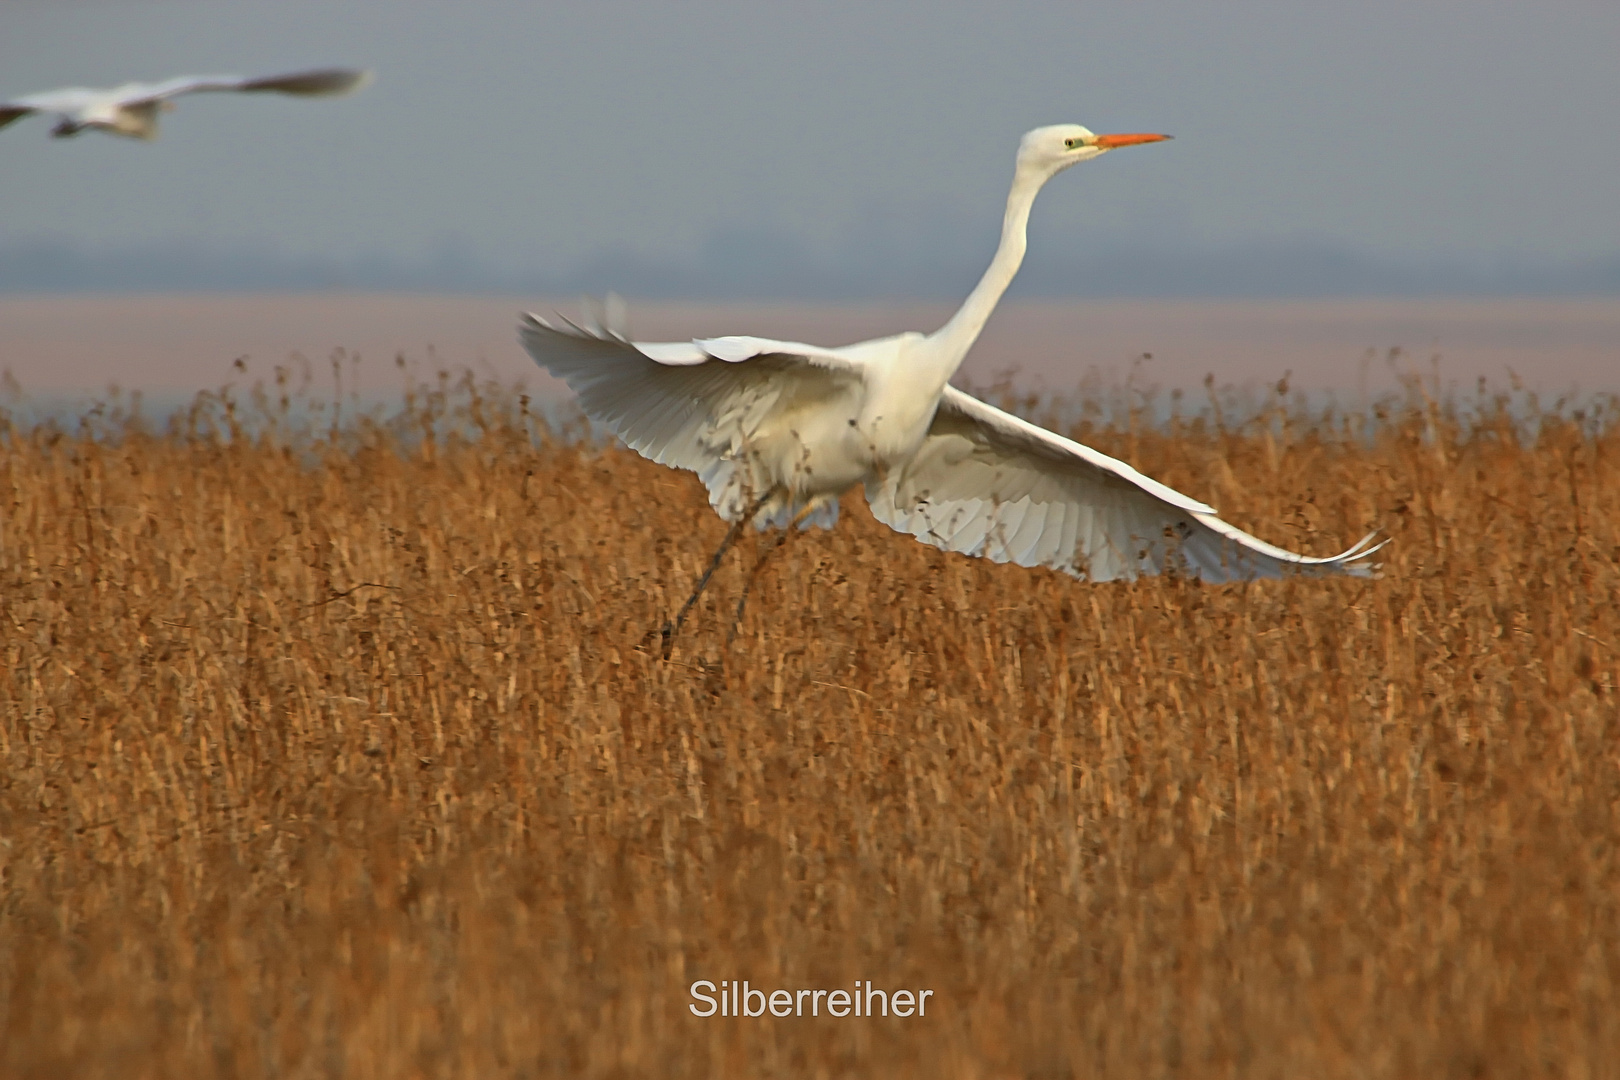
point(858, 148)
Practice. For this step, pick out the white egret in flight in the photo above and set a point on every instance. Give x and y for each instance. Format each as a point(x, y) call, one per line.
point(778, 430)
point(132, 109)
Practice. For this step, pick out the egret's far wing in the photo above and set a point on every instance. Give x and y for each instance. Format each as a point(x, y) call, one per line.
point(987, 483)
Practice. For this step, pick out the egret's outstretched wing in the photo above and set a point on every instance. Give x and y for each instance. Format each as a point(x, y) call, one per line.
point(318, 83)
point(690, 404)
point(986, 483)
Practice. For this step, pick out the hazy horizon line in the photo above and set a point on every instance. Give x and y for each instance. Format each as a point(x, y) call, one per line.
point(748, 265)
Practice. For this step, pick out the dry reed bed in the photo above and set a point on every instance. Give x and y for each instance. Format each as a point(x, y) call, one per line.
point(344, 759)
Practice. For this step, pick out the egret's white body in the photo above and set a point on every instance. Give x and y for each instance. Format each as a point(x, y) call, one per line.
point(132, 109)
point(783, 429)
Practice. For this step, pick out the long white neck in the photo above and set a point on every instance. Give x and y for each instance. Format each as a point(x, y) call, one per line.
point(952, 341)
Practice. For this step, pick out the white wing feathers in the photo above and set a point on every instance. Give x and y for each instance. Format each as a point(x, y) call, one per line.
point(55, 101)
point(986, 483)
point(733, 350)
point(691, 405)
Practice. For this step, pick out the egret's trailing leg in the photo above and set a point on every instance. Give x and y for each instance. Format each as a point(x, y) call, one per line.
point(759, 564)
point(673, 628)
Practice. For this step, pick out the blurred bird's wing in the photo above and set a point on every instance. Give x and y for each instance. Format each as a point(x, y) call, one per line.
point(77, 101)
point(987, 483)
point(318, 83)
point(66, 101)
point(322, 82)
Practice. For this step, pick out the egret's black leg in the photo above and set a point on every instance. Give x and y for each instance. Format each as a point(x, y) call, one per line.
point(673, 628)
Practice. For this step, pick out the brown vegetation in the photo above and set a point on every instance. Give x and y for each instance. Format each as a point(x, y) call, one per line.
point(341, 756)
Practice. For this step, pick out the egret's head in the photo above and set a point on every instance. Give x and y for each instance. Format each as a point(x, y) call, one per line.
point(1050, 150)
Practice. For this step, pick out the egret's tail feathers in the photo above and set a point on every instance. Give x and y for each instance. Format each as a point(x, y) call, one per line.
point(732, 495)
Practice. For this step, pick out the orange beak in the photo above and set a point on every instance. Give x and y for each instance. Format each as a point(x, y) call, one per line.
point(1110, 142)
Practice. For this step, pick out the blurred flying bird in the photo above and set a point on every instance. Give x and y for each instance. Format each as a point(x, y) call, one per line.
point(132, 109)
point(778, 430)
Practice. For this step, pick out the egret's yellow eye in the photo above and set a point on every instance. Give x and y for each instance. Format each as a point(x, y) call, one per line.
point(1073, 143)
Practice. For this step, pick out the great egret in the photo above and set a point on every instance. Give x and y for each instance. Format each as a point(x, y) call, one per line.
point(778, 430)
point(132, 109)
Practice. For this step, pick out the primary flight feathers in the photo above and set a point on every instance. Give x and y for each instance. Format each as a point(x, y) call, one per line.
point(132, 109)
